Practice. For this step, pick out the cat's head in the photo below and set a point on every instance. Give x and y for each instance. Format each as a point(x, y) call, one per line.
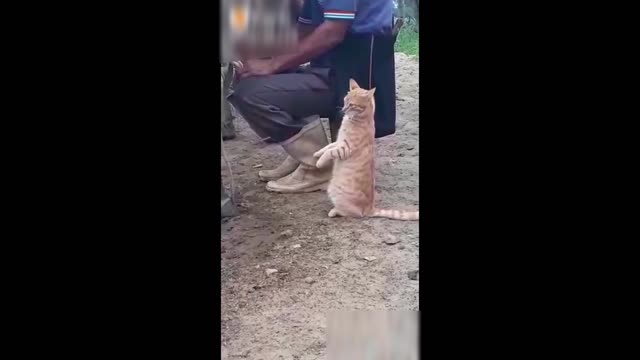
point(357, 98)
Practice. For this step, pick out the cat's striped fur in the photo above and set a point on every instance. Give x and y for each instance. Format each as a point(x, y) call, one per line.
point(352, 186)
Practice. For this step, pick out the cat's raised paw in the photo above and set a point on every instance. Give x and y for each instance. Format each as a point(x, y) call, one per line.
point(324, 160)
point(322, 151)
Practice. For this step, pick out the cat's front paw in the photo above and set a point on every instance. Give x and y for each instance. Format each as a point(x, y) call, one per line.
point(324, 160)
point(323, 150)
point(321, 164)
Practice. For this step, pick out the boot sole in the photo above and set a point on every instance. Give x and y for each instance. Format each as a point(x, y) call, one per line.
point(319, 187)
point(272, 178)
point(267, 179)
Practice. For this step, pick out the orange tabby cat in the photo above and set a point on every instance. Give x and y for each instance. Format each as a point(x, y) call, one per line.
point(352, 187)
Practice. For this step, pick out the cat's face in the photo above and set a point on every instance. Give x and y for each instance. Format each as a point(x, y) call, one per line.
point(358, 98)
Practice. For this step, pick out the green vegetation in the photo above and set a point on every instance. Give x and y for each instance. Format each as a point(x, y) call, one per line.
point(407, 41)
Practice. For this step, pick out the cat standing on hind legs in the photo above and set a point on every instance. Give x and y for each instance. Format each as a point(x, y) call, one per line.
point(352, 186)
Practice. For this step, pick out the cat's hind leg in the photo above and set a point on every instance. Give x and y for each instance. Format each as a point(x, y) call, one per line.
point(347, 210)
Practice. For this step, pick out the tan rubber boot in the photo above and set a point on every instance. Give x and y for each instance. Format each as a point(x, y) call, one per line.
point(306, 177)
point(289, 164)
point(286, 168)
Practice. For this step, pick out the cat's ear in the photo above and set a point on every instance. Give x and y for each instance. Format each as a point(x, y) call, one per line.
point(372, 91)
point(353, 84)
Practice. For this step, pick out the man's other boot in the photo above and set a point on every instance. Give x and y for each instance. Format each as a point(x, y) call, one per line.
point(227, 208)
point(228, 129)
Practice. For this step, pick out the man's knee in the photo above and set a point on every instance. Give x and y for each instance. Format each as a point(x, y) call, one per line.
point(244, 93)
point(246, 88)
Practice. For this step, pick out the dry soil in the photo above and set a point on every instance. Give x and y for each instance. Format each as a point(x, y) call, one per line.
point(320, 261)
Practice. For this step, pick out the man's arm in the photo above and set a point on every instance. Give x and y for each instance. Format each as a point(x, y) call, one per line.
point(304, 30)
point(323, 38)
point(338, 17)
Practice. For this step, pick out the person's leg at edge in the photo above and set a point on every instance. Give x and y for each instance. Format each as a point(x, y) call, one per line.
point(228, 128)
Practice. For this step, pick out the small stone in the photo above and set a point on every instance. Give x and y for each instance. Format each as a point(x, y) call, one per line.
point(410, 147)
point(258, 266)
point(336, 260)
point(257, 166)
point(243, 354)
point(295, 246)
point(413, 274)
point(391, 240)
point(270, 271)
point(309, 280)
point(286, 233)
point(401, 247)
point(369, 258)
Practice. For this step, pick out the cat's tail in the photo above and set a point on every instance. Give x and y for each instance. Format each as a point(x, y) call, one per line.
point(396, 214)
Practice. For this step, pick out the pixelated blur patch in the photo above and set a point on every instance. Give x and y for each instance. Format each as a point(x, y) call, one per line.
point(379, 334)
point(239, 17)
point(257, 28)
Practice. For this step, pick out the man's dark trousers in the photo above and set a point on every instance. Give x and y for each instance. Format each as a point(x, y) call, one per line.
point(275, 106)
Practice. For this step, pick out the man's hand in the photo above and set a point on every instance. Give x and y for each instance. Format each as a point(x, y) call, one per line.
point(254, 67)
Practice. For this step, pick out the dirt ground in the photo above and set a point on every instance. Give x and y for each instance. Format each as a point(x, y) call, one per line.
point(319, 261)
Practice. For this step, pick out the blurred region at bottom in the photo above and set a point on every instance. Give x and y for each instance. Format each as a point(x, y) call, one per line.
point(373, 335)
